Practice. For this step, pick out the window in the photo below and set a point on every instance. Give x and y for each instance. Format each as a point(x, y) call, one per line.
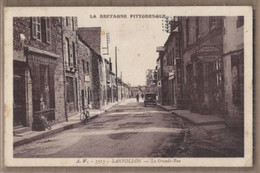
point(70, 90)
point(41, 29)
point(218, 70)
point(187, 31)
point(67, 21)
point(169, 59)
point(73, 24)
point(240, 21)
point(237, 72)
point(48, 30)
point(36, 28)
point(173, 56)
point(87, 67)
point(212, 22)
point(215, 23)
point(197, 27)
point(74, 54)
point(83, 66)
point(67, 54)
point(45, 87)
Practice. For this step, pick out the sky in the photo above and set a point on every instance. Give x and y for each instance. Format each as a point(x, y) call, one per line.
point(136, 41)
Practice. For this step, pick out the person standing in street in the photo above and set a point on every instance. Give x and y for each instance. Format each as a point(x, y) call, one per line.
point(142, 96)
point(137, 97)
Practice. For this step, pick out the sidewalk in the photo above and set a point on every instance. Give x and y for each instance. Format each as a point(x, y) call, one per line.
point(208, 136)
point(209, 122)
point(73, 121)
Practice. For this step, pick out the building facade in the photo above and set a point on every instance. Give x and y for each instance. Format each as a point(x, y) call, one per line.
point(38, 70)
point(201, 66)
point(233, 65)
point(92, 37)
point(70, 52)
point(173, 65)
point(159, 65)
point(85, 74)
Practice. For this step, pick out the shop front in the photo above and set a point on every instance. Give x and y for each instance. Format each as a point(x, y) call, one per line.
point(42, 68)
point(206, 84)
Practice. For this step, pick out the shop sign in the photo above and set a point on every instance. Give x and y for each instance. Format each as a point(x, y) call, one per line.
point(208, 53)
point(160, 49)
point(167, 69)
point(171, 75)
point(87, 78)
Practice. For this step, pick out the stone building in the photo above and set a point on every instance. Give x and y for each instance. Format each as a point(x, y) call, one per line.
point(172, 62)
point(85, 59)
point(203, 63)
point(208, 69)
point(159, 65)
point(92, 38)
point(38, 70)
point(164, 69)
point(110, 82)
point(69, 42)
point(113, 87)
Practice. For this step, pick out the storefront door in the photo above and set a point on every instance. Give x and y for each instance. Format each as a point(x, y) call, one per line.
point(19, 105)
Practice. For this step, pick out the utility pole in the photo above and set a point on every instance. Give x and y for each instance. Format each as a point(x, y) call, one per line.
point(116, 74)
point(121, 87)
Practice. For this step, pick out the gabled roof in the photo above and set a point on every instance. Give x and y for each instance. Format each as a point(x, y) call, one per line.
point(91, 49)
point(92, 36)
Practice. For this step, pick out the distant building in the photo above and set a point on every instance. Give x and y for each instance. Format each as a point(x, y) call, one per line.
point(108, 68)
point(150, 77)
point(160, 84)
point(173, 66)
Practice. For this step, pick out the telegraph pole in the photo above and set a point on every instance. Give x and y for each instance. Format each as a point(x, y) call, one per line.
point(116, 74)
point(121, 87)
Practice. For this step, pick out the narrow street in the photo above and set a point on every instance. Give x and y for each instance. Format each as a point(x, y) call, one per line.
point(127, 130)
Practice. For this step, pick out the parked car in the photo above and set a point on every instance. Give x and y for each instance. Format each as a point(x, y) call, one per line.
point(149, 99)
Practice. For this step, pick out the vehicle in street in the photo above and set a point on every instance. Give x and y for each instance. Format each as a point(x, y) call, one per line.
point(149, 99)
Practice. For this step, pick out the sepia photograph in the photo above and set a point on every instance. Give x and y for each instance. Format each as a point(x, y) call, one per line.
point(129, 86)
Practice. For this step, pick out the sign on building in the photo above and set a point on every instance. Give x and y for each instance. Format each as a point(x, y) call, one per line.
point(208, 53)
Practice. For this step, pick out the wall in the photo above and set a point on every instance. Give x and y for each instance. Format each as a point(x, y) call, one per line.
point(233, 41)
point(22, 25)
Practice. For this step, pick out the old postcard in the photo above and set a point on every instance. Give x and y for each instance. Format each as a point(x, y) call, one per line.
point(128, 86)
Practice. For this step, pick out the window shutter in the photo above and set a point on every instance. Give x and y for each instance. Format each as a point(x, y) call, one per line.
point(43, 28)
point(33, 27)
point(48, 30)
point(74, 54)
point(83, 65)
point(38, 28)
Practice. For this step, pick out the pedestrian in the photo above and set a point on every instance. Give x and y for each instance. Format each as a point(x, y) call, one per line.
point(137, 97)
point(142, 96)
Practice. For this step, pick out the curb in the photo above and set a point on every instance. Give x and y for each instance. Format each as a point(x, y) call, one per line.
point(54, 131)
point(192, 122)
